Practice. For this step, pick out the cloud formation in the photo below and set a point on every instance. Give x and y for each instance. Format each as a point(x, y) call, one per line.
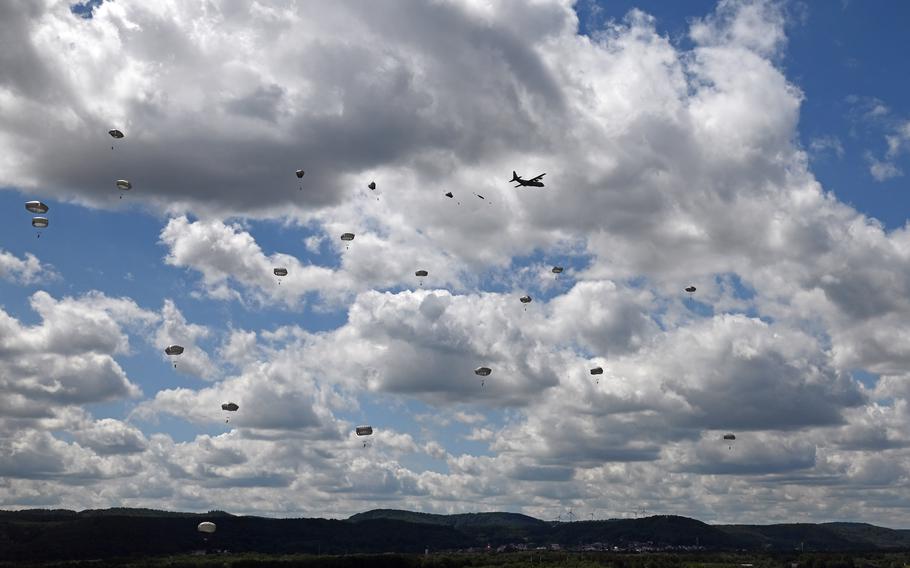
point(661, 173)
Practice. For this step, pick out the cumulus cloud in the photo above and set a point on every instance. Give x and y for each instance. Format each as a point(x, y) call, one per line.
point(68, 358)
point(175, 330)
point(660, 174)
point(28, 270)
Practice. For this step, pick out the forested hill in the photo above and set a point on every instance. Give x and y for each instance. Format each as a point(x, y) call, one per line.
point(60, 534)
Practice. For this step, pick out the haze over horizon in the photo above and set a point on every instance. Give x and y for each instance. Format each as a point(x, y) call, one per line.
point(752, 149)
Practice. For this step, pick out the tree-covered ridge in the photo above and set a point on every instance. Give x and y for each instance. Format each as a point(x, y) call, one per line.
point(46, 535)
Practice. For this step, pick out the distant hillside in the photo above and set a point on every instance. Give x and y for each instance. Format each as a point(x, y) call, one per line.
point(659, 529)
point(44, 535)
point(821, 537)
point(459, 520)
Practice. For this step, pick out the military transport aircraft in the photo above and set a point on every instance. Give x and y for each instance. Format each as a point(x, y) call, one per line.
point(533, 182)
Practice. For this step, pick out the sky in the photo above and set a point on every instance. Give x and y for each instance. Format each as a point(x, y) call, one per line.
point(753, 149)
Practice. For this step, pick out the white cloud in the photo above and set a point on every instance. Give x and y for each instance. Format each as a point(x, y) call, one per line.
point(660, 173)
point(883, 170)
point(24, 271)
point(822, 145)
point(68, 358)
point(175, 330)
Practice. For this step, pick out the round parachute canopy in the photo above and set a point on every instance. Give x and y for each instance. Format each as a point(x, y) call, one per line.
point(347, 237)
point(36, 207)
point(174, 350)
point(597, 371)
point(280, 271)
point(421, 273)
point(115, 133)
point(39, 222)
point(372, 185)
point(729, 437)
point(230, 406)
point(124, 184)
point(449, 194)
point(364, 430)
point(690, 289)
point(557, 270)
point(483, 371)
point(525, 299)
point(299, 173)
point(206, 527)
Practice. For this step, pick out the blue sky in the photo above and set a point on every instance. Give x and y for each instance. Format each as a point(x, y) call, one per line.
point(752, 149)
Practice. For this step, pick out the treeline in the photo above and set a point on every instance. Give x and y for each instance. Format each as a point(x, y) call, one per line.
point(42, 536)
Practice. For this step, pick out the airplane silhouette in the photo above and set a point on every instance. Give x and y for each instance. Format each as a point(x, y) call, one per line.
point(533, 182)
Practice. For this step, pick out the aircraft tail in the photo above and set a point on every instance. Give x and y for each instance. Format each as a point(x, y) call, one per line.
point(514, 176)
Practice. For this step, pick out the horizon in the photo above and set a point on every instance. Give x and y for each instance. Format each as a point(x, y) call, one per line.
point(285, 271)
point(549, 521)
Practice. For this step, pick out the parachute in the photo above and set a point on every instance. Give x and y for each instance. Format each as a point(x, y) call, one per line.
point(421, 274)
point(229, 407)
point(39, 223)
point(690, 289)
point(347, 237)
point(372, 186)
point(124, 185)
point(299, 174)
point(36, 207)
point(115, 134)
point(206, 527)
point(364, 431)
point(280, 272)
point(730, 438)
point(597, 371)
point(483, 372)
point(482, 197)
point(525, 299)
point(557, 270)
point(172, 351)
point(449, 194)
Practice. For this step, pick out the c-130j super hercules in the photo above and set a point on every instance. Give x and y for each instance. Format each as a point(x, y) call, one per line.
point(533, 182)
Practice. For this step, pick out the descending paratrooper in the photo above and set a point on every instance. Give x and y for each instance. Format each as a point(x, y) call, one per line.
point(173, 351)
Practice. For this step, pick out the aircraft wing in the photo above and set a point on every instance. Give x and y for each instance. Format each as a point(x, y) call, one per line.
point(538, 177)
